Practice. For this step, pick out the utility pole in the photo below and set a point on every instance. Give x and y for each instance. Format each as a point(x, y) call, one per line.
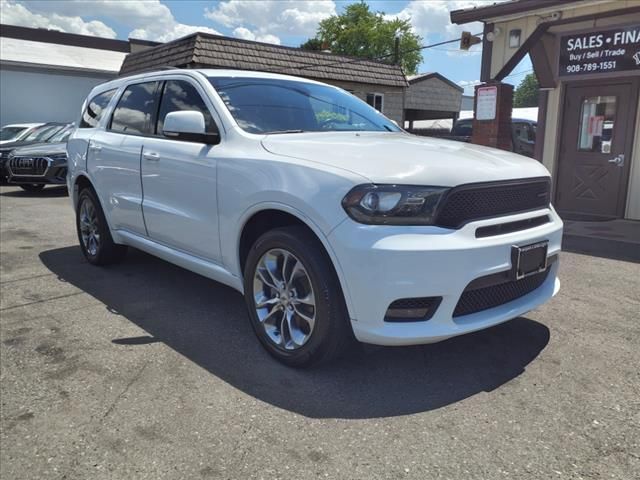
point(396, 52)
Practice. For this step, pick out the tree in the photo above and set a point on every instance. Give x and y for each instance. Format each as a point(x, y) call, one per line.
point(362, 33)
point(312, 44)
point(526, 95)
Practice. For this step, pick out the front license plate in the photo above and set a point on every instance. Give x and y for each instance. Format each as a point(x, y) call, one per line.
point(529, 259)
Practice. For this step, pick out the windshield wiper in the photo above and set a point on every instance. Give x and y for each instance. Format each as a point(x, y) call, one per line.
point(277, 132)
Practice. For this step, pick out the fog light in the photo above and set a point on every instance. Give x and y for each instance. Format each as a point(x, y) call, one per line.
point(412, 309)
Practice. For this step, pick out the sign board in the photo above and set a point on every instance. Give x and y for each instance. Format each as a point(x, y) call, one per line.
point(606, 51)
point(486, 103)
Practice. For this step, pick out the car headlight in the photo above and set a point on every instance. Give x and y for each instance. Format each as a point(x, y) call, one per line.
point(393, 204)
point(58, 157)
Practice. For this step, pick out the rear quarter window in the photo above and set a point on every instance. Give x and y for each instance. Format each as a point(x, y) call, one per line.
point(95, 109)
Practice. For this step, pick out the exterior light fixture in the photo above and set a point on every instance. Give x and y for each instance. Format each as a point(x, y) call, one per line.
point(491, 36)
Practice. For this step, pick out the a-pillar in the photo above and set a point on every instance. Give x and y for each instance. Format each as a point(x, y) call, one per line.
point(493, 103)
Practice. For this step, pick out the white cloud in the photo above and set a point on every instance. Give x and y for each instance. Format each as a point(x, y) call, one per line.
point(268, 19)
point(431, 20)
point(16, 14)
point(149, 19)
point(469, 86)
point(246, 34)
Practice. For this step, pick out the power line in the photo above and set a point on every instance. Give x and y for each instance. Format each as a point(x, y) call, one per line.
point(381, 57)
point(519, 73)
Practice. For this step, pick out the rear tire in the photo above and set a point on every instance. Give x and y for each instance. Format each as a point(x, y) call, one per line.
point(296, 306)
point(32, 187)
point(94, 236)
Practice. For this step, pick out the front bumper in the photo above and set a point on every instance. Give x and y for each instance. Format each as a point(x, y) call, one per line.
point(381, 264)
point(54, 174)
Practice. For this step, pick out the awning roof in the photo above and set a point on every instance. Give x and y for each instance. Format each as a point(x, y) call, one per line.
point(18, 51)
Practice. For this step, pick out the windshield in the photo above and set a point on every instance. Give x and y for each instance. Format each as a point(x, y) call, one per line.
point(42, 134)
point(9, 133)
point(264, 105)
point(62, 135)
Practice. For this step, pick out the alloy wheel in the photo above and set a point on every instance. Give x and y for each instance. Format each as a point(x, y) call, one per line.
point(89, 227)
point(284, 299)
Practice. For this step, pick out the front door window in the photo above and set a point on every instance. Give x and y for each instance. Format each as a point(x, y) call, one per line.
point(596, 124)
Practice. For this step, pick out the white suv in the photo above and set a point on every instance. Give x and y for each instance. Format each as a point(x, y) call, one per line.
point(331, 220)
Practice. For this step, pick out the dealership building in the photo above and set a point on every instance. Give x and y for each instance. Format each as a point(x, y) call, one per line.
point(45, 75)
point(586, 56)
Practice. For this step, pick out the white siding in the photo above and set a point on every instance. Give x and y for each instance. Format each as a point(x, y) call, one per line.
point(41, 95)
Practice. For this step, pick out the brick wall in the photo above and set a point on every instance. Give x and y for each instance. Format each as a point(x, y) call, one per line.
point(497, 132)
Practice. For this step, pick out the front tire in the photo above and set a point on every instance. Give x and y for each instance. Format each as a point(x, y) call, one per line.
point(32, 187)
point(296, 306)
point(94, 236)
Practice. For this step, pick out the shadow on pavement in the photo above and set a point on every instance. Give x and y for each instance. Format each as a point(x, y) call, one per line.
point(207, 323)
point(57, 191)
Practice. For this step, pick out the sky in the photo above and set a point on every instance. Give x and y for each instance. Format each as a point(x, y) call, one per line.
point(283, 22)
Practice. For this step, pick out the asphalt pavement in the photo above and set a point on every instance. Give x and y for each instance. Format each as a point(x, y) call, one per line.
point(144, 370)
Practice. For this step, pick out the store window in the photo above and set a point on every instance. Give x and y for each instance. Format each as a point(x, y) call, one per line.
point(376, 100)
point(596, 124)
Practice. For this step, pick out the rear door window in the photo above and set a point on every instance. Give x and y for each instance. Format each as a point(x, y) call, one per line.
point(95, 109)
point(135, 110)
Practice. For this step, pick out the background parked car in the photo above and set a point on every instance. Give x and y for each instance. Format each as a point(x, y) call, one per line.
point(35, 166)
point(16, 131)
point(523, 134)
point(38, 135)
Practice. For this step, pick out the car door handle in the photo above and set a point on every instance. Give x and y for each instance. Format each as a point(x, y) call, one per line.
point(151, 156)
point(95, 148)
point(618, 161)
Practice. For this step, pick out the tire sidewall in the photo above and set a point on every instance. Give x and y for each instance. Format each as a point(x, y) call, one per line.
point(88, 195)
point(315, 263)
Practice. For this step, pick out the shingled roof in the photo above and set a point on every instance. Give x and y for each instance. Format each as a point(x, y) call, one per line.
point(202, 50)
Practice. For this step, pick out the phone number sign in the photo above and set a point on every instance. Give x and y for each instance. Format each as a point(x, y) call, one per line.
point(615, 50)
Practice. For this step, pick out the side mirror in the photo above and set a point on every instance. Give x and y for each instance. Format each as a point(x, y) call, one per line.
point(189, 126)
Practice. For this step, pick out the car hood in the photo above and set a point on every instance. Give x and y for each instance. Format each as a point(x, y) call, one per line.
point(7, 147)
point(41, 149)
point(400, 158)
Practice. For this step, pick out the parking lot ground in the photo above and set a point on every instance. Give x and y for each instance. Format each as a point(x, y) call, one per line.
point(145, 370)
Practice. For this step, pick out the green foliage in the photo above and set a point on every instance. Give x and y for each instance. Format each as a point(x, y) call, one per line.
point(312, 44)
point(327, 116)
point(526, 95)
point(362, 33)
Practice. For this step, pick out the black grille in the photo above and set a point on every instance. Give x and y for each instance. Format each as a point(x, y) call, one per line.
point(412, 309)
point(28, 165)
point(510, 227)
point(486, 200)
point(472, 301)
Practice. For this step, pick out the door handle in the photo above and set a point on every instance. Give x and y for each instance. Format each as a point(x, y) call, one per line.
point(151, 156)
point(95, 148)
point(618, 160)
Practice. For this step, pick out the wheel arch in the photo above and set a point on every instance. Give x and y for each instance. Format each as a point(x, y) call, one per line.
point(261, 219)
point(82, 181)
